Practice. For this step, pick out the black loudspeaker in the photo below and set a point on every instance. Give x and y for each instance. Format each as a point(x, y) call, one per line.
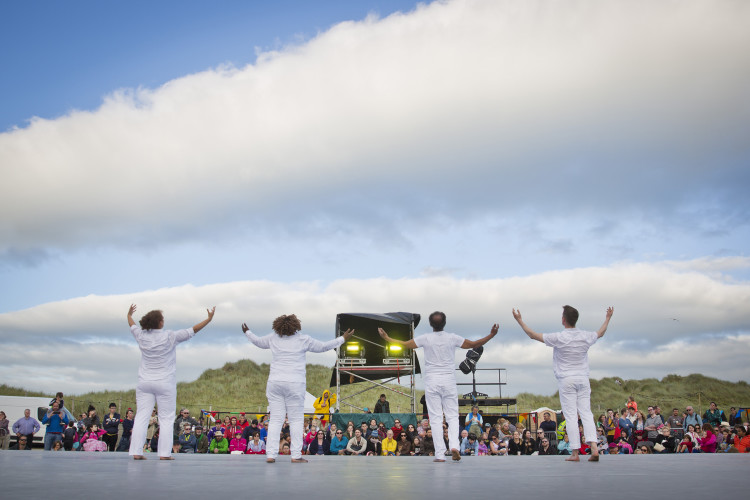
point(470, 363)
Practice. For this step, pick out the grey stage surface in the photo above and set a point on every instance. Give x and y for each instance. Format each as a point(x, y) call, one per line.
point(38, 474)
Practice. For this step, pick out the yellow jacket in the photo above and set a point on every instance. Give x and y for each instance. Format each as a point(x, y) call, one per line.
point(323, 405)
point(389, 445)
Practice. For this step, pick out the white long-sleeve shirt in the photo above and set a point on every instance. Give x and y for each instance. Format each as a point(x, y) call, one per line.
point(159, 351)
point(288, 361)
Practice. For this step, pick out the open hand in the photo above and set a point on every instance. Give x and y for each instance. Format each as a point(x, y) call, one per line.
point(348, 334)
point(211, 313)
point(131, 310)
point(517, 315)
point(244, 328)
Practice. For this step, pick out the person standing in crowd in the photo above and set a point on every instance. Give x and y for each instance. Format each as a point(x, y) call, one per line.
point(691, 418)
point(713, 415)
point(56, 421)
point(127, 431)
point(474, 421)
point(286, 385)
point(438, 373)
point(111, 427)
point(26, 426)
point(382, 405)
point(4, 431)
point(571, 367)
point(156, 377)
point(70, 436)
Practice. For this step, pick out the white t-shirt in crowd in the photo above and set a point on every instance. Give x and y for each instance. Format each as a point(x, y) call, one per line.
point(439, 354)
point(288, 361)
point(159, 351)
point(570, 355)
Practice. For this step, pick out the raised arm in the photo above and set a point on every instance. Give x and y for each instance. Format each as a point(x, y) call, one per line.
point(206, 321)
point(318, 346)
point(471, 344)
point(603, 329)
point(130, 315)
point(531, 333)
point(262, 342)
point(409, 344)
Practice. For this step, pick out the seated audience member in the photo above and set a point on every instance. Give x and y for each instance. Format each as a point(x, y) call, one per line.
point(411, 432)
point(469, 445)
point(22, 443)
point(397, 428)
point(284, 450)
point(256, 446)
point(356, 445)
point(403, 446)
point(686, 445)
point(238, 444)
point(665, 441)
point(601, 441)
point(497, 446)
point(482, 450)
point(319, 445)
point(58, 446)
point(614, 449)
point(263, 426)
point(514, 444)
point(428, 445)
point(349, 433)
point(643, 449)
point(374, 445)
point(233, 429)
point(186, 439)
point(242, 421)
point(528, 444)
point(741, 441)
point(624, 447)
point(422, 427)
point(416, 447)
point(219, 443)
point(546, 449)
point(388, 445)
point(338, 443)
point(201, 440)
point(70, 436)
point(708, 439)
point(127, 431)
point(92, 439)
point(153, 444)
point(176, 445)
point(382, 431)
point(309, 437)
point(563, 446)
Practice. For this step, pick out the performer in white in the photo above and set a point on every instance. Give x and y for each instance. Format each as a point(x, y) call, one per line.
point(287, 378)
point(438, 373)
point(156, 377)
point(570, 362)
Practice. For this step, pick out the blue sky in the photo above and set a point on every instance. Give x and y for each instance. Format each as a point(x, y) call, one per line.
point(468, 156)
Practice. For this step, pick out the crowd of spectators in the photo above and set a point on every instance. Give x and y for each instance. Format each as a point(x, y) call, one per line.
point(627, 431)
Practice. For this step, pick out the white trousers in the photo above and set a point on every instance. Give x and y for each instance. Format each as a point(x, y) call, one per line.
point(285, 399)
point(442, 398)
point(148, 393)
point(575, 400)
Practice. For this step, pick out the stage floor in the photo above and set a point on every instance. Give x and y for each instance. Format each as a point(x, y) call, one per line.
point(38, 474)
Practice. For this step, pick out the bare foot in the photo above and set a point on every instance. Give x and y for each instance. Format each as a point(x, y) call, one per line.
point(299, 461)
point(438, 460)
point(270, 460)
point(455, 454)
point(594, 458)
point(139, 457)
point(166, 458)
point(573, 458)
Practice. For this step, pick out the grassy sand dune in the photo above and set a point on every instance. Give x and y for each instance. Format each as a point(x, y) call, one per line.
point(241, 386)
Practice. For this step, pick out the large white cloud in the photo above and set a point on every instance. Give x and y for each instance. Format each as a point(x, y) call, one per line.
point(617, 108)
point(672, 317)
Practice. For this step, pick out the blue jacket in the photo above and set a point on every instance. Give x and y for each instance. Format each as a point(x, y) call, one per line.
point(55, 423)
point(338, 444)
